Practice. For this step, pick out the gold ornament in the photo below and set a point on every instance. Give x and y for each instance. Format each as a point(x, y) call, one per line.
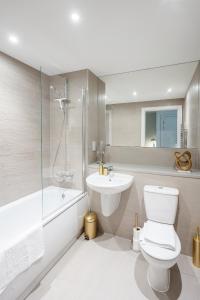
point(183, 161)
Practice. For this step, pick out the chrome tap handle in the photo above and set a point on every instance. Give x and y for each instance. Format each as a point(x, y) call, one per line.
point(110, 168)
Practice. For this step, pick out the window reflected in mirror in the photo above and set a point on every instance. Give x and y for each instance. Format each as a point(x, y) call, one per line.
point(161, 126)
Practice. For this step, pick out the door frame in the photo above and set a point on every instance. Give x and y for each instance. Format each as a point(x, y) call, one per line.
point(179, 109)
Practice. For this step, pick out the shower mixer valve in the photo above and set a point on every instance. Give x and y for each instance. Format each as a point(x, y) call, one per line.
point(64, 176)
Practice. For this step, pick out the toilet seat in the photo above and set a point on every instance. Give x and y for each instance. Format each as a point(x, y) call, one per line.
point(159, 252)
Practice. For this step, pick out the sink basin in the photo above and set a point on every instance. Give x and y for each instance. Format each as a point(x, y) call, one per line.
point(112, 184)
point(110, 187)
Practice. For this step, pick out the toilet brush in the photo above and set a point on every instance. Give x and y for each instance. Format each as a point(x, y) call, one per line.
point(136, 235)
point(196, 249)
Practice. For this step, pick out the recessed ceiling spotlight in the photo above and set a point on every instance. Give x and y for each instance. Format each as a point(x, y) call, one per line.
point(75, 17)
point(169, 90)
point(13, 39)
point(134, 93)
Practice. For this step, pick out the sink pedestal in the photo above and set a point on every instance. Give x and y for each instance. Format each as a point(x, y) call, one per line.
point(109, 203)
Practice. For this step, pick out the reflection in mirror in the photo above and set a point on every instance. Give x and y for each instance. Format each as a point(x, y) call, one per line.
point(156, 107)
point(161, 126)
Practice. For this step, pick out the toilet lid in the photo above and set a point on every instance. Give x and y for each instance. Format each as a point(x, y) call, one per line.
point(158, 252)
point(160, 234)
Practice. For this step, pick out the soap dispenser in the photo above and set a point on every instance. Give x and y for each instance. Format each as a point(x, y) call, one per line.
point(101, 168)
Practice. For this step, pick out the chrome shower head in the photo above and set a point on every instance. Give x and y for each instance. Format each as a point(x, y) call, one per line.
point(63, 102)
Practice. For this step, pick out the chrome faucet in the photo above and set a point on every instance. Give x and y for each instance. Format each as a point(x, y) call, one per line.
point(110, 168)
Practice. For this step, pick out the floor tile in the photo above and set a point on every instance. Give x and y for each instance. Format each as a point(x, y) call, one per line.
point(186, 266)
point(107, 269)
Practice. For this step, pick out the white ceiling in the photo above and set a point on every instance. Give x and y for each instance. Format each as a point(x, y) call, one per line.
point(112, 36)
point(151, 84)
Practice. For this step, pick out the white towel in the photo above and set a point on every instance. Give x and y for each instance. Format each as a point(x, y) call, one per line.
point(159, 234)
point(20, 255)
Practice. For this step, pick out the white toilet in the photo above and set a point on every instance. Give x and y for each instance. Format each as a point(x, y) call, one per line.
point(159, 243)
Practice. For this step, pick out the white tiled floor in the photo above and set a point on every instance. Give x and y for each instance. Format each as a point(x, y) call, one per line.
point(106, 269)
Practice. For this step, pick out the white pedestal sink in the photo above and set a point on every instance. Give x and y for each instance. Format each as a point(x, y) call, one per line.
point(110, 188)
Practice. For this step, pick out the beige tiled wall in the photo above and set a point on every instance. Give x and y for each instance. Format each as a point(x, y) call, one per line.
point(45, 143)
point(101, 111)
point(147, 156)
point(20, 129)
point(121, 222)
point(192, 109)
point(95, 114)
point(72, 128)
point(20, 126)
point(92, 115)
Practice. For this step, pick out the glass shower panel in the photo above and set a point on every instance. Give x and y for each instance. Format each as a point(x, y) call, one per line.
point(63, 178)
point(20, 105)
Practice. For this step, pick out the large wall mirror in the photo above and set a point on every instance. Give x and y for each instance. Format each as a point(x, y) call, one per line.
point(157, 107)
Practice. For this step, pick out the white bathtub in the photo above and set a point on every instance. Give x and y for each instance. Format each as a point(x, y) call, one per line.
point(61, 213)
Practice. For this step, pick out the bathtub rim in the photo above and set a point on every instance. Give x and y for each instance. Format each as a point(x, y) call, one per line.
point(48, 218)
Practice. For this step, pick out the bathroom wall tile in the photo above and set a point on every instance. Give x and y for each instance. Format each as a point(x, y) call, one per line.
point(20, 126)
point(69, 157)
point(192, 105)
point(95, 113)
point(101, 111)
point(92, 114)
point(146, 156)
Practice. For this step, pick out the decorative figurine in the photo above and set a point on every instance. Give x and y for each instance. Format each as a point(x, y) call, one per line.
point(183, 161)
